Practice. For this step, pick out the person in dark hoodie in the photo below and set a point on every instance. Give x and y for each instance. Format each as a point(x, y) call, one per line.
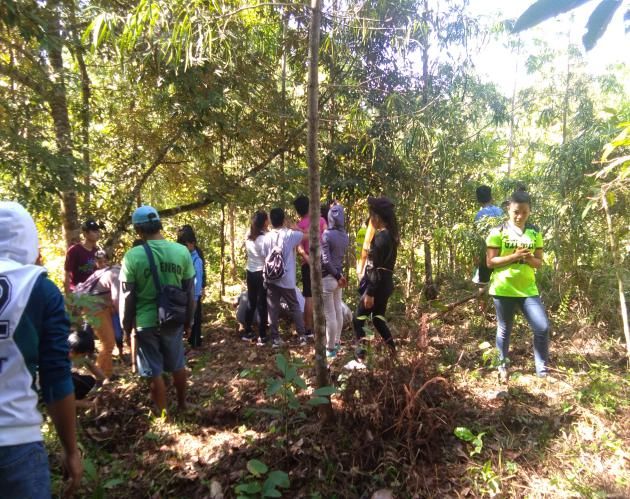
point(377, 283)
point(334, 245)
point(34, 329)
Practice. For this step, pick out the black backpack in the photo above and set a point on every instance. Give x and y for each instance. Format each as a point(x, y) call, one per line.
point(274, 267)
point(172, 300)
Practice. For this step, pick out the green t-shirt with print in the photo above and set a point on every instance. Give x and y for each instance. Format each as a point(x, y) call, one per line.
point(174, 264)
point(516, 279)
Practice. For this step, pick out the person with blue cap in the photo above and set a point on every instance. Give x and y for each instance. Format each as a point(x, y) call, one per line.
point(158, 300)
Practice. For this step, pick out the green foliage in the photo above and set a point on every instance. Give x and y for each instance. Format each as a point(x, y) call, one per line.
point(254, 487)
point(467, 435)
point(596, 25)
point(603, 390)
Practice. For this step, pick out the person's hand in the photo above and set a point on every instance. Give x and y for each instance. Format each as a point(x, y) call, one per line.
point(187, 332)
point(368, 301)
point(521, 254)
point(342, 282)
point(73, 466)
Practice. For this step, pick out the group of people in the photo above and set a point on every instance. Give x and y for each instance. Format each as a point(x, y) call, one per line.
point(155, 298)
point(272, 247)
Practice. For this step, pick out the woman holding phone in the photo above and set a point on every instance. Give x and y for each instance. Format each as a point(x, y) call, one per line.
point(515, 251)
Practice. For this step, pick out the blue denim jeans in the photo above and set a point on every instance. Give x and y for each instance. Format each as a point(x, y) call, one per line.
point(24, 471)
point(534, 312)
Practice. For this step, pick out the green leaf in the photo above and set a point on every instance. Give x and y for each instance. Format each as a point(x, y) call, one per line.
point(274, 387)
point(113, 482)
point(543, 10)
point(291, 374)
point(269, 490)
point(256, 467)
point(248, 488)
point(281, 362)
point(362, 317)
point(599, 21)
point(299, 382)
point(325, 391)
point(279, 479)
point(464, 434)
point(272, 412)
point(90, 470)
point(318, 401)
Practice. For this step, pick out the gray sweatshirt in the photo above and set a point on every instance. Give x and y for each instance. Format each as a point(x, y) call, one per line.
point(334, 243)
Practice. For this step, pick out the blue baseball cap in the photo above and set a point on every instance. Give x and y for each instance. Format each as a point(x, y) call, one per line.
point(145, 214)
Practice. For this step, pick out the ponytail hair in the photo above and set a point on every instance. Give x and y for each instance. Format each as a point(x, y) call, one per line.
point(258, 225)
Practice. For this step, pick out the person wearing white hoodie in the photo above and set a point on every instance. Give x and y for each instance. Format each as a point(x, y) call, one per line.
point(34, 329)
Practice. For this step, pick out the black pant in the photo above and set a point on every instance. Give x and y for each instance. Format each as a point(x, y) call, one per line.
point(83, 383)
point(195, 333)
point(257, 298)
point(381, 295)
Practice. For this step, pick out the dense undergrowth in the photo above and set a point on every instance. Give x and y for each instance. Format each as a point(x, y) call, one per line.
point(434, 423)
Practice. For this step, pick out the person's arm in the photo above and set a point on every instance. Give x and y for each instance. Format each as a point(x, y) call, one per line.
point(493, 260)
point(198, 276)
point(95, 370)
point(535, 260)
point(326, 260)
point(188, 286)
point(56, 378)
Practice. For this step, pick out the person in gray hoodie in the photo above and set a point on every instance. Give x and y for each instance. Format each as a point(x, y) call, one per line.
point(334, 245)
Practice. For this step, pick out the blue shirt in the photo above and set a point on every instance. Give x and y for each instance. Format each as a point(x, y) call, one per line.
point(198, 265)
point(488, 211)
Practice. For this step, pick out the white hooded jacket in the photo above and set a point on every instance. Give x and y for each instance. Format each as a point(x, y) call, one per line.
point(18, 275)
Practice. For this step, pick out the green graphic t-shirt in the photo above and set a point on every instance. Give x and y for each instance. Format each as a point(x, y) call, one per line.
point(517, 279)
point(173, 263)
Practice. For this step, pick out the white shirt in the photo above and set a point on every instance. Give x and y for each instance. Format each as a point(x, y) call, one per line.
point(255, 255)
point(288, 240)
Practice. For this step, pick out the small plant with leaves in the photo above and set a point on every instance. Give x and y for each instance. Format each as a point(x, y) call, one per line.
point(284, 390)
point(490, 355)
point(467, 435)
point(260, 482)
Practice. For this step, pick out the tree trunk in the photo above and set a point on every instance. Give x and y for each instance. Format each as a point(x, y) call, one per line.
point(319, 320)
point(222, 239)
point(84, 113)
point(59, 112)
point(232, 241)
point(617, 262)
point(430, 293)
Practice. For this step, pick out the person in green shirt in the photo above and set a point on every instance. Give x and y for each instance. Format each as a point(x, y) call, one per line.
point(514, 252)
point(159, 347)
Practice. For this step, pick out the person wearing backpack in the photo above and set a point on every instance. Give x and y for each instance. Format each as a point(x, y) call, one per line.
point(157, 297)
point(515, 251)
point(103, 285)
point(279, 247)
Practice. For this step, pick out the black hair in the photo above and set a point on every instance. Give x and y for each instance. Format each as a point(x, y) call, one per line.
point(276, 215)
point(137, 242)
point(484, 194)
point(148, 228)
point(186, 235)
point(520, 196)
point(301, 205)
point(82, 340)
point(258, 224)
point(385, 211)
point(323, 211)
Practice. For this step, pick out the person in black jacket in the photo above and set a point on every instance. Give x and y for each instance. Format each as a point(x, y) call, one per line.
point(377, 284)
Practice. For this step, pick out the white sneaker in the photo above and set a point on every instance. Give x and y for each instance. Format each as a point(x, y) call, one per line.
point(277, 343)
